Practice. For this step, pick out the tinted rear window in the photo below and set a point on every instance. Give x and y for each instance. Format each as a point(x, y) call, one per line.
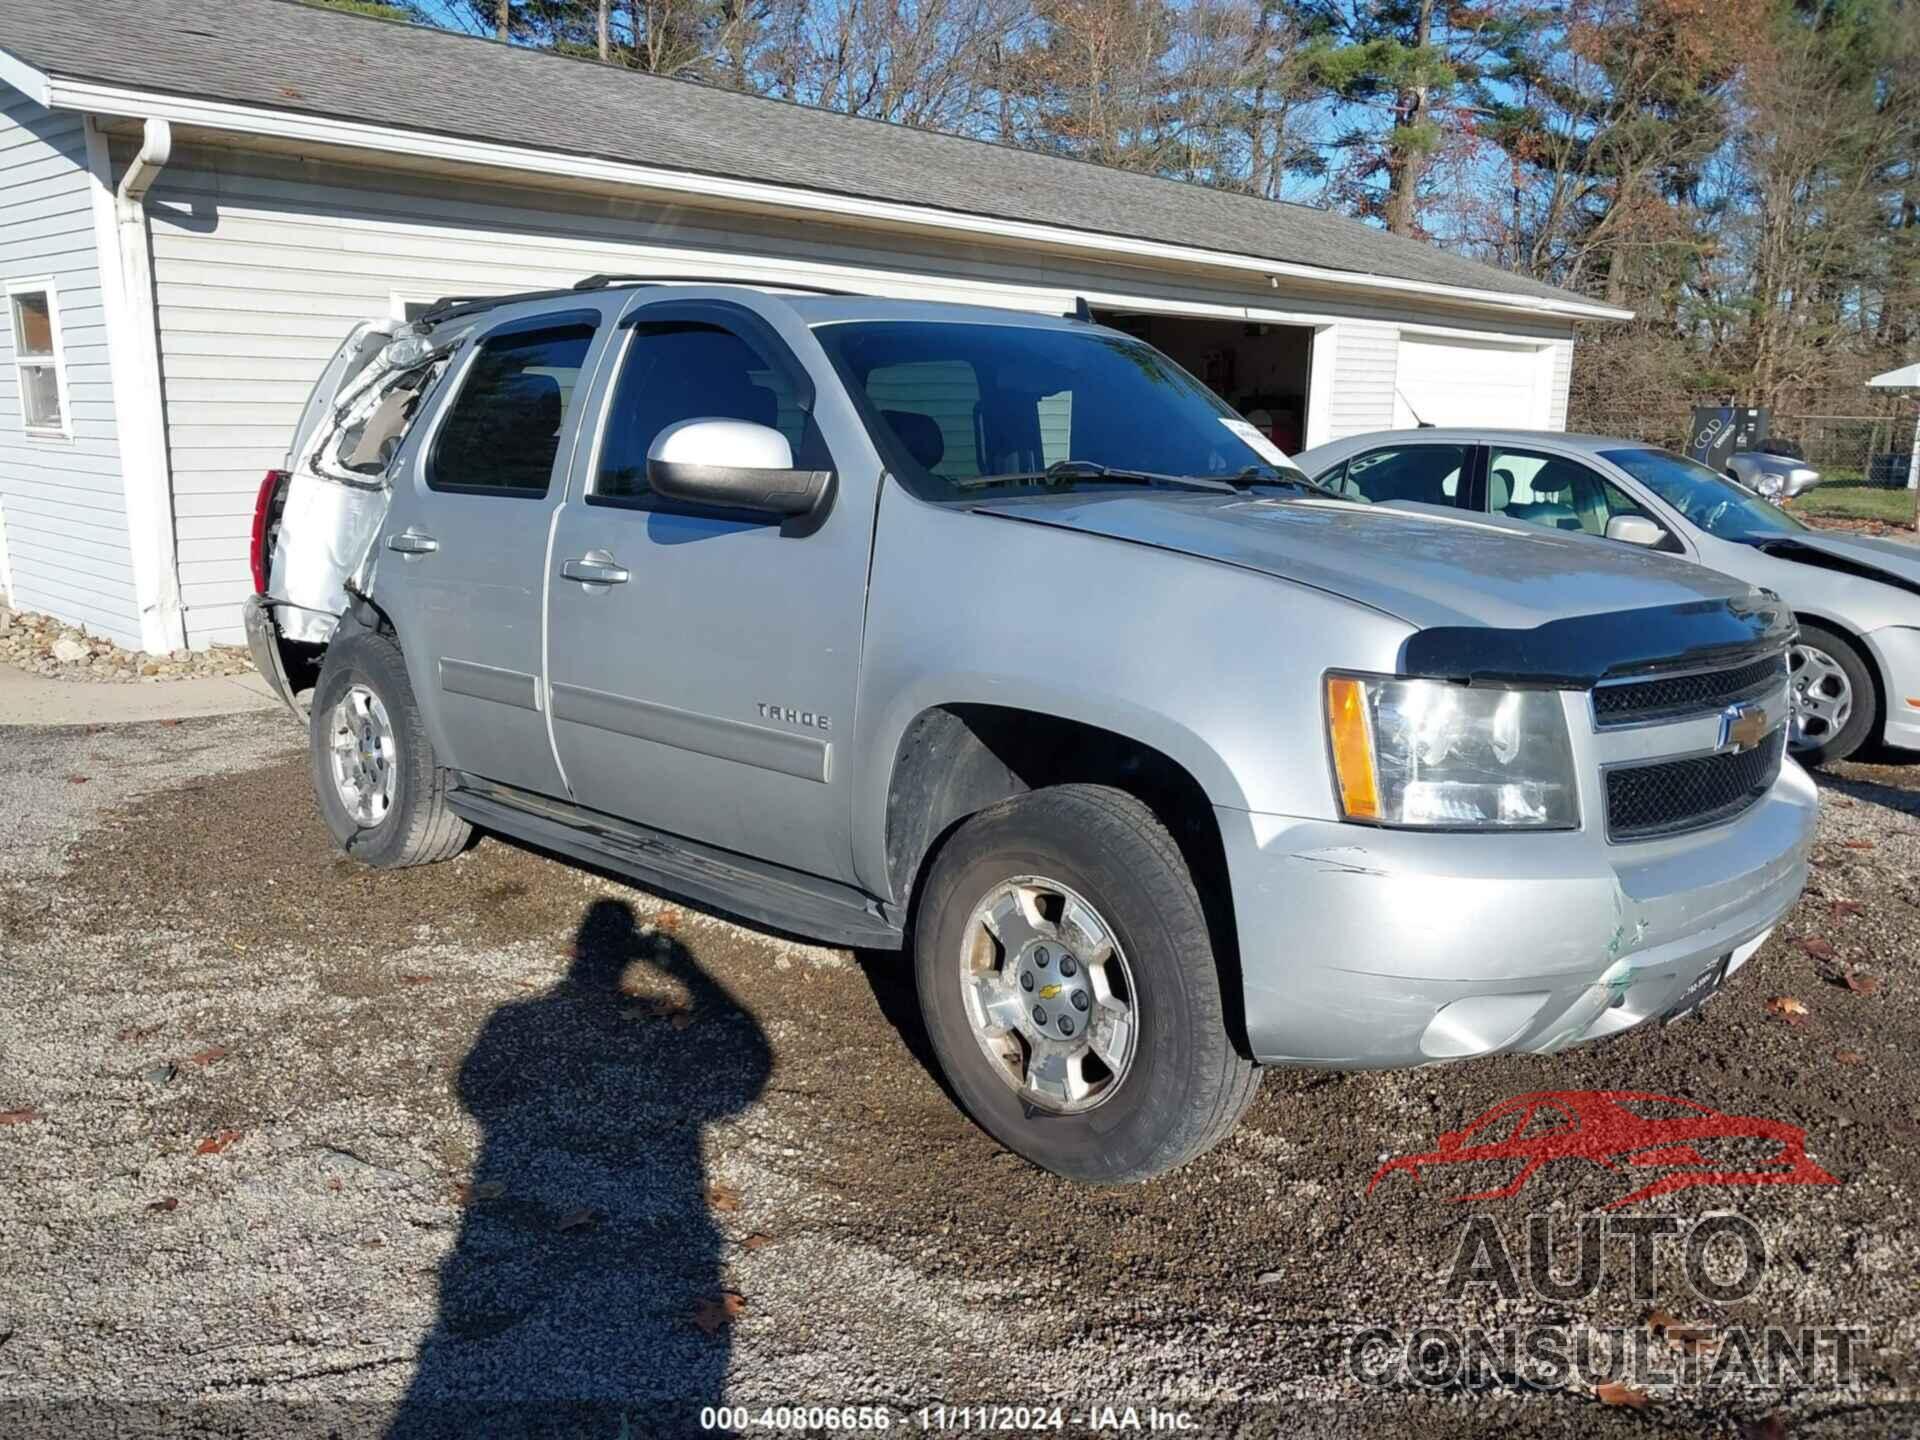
point(503, 432)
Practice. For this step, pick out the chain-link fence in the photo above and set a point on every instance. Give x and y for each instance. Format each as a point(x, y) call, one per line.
point(1853, 449)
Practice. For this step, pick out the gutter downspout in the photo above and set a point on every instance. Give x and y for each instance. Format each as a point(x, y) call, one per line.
point(140, 406)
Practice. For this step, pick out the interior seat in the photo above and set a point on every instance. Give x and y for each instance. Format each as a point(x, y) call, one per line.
point(1552, 505)
point(1500, 490)
point(920, 434)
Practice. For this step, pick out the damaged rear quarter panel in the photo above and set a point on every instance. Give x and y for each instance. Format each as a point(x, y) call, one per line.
point(326, 534)
point(337, 498)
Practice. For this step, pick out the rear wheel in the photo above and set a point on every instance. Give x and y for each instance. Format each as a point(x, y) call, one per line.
point(1834, 703)
point(1068, 980)
point(380, 787)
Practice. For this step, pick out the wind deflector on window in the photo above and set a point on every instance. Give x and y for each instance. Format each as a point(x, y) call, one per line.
point(748, 324)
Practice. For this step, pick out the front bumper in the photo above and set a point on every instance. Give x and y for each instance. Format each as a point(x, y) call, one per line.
point(1896, 649)
point(1366, 947)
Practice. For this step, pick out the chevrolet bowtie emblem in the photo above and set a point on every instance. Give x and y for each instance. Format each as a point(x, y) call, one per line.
point(1047, 992)
point(1744, 726)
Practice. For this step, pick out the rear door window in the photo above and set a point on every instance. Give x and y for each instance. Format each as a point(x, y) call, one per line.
point(1430, 474)
point(502, 434)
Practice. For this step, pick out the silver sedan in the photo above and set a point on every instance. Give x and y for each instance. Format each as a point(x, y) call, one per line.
point(1856, 668)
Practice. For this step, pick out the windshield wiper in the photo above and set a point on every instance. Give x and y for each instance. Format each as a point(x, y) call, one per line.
point(1093, 470)
point(1273, 475)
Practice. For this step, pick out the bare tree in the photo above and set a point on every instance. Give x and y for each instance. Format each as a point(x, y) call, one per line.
point(1098, 82)
point(915, 62)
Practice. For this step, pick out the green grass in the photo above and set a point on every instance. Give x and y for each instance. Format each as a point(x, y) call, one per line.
point(1857, 502)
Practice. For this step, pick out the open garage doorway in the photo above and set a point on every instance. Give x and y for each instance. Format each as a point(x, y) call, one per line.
point(1259, 369)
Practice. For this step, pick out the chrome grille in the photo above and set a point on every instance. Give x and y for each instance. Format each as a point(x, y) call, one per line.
point(1669, 797)
point(1662, 697)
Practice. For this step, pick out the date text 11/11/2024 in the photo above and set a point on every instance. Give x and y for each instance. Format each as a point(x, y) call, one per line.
point(942, 1419)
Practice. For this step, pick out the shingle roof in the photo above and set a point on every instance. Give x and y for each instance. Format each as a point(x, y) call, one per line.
point(292, 57)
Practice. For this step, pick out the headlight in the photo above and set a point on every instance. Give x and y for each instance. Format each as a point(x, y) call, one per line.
point(1436, 756)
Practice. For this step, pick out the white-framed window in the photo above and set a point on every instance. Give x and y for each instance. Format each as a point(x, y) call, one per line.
point(39, 359)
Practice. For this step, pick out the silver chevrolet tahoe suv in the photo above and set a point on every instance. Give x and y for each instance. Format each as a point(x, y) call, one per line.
point(996, 637)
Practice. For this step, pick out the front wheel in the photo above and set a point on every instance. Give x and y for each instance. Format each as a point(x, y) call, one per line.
point(1834, 701)
point(1070, 989)
point(379, 785)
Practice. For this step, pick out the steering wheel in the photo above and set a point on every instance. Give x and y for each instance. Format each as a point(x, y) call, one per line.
point(1712, 517)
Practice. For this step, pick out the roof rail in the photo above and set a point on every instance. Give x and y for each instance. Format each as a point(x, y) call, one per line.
point(456, 307)
point(601, 282)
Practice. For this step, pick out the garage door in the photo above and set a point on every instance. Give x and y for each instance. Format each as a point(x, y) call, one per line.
point(1470, 382)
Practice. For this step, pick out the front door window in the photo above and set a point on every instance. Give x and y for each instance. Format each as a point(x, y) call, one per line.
point(1554, 492)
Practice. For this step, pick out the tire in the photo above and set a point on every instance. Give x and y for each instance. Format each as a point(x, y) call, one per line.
point(1183, 1086)
point(409, 823)
point(1810, 656)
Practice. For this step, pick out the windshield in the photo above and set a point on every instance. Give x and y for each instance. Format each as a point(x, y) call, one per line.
point(1714, 503)
point(966, 412)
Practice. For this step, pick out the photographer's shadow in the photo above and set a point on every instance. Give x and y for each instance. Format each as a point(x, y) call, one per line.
point(588, 1255)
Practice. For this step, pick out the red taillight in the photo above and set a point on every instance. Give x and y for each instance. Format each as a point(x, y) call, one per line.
point(264, 508)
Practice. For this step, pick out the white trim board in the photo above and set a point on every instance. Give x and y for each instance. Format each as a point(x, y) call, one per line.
point(452, 149)
point(6, 560)
point(23, 77)
point(127, 307)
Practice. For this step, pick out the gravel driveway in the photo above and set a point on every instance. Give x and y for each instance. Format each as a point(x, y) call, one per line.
point(507, 1147)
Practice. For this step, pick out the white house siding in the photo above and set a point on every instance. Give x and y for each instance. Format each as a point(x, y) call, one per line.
point(1365, 361)
point(263, 261)
point(62, 504)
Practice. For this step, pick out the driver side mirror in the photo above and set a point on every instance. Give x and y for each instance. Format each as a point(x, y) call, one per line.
point(1635, 530)
point(735, 465)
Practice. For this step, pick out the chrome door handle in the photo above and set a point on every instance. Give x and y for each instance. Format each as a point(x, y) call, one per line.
point(596, 567)
point(412, 542)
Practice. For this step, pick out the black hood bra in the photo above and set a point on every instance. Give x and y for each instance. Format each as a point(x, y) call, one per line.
point(1579, 651)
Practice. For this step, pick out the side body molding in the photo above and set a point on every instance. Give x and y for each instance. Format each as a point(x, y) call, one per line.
point(490, 682)
point(801, 756)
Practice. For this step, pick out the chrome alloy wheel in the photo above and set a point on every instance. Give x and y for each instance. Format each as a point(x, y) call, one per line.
point(1822, 697)
point(1049, 995)
point(361, 741)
